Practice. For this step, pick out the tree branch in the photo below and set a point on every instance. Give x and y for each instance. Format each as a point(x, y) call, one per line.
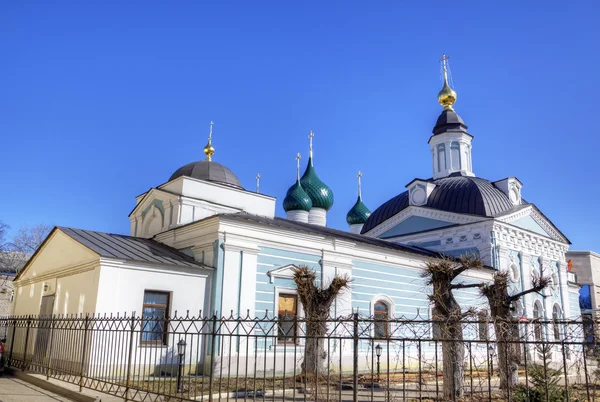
point(535, 289)
point(466, 285)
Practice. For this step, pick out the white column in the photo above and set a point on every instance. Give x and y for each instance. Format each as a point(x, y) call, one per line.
point(317, 216)
point(297, 216)
point(356, 228)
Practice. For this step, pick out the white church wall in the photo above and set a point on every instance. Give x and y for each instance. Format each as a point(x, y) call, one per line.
point(121, 289)
point(253, 203)
point(122, 285)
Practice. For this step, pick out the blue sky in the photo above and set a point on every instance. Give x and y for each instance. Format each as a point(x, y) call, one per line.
point(99, 101)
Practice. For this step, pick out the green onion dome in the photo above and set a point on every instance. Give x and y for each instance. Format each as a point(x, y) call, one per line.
point(358, 214)
point(319, 193)
point(296, 199)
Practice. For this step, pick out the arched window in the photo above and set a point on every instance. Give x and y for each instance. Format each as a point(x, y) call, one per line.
point(537, 326)
point(556, 316)
point(455, 155)
point(381, 312)
point(441, 152)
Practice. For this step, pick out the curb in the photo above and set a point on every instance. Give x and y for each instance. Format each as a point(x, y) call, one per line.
point(75, 396)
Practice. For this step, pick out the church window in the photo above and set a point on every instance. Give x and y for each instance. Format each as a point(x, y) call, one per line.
point(556, 316)
point(441, 151)
point(381, 315)
point(155, 312)
point(436, 329)
point(455, 155)
point(482, 325)
point(287, 307)
point(537, 326)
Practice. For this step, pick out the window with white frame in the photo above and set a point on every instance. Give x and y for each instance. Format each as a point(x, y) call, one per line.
point(155, 311)
point(556, 316)
point(287, 311)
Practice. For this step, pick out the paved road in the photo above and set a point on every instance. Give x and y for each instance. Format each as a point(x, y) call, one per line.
point(12, 389)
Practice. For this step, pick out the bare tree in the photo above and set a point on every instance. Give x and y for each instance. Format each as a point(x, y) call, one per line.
point(440, 274)
point(316, 302)
point(15, 254)
point(505, 325)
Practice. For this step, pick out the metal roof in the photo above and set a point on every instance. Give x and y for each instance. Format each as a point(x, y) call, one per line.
point(209, 171)
point(122, 247)
point(459, 194)
point(325, 231)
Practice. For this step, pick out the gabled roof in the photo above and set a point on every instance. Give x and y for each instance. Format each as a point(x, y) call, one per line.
point(120, 247)
point(130, 248)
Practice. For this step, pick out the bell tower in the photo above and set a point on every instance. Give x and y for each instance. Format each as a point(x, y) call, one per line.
point(450, 143)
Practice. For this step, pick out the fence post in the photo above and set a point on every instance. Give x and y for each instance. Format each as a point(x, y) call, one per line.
point(85, 332)
point(212, 358)
point(12, 342)
point(355, 358)
point(51, 347)
point(129, 357)
point(25, 363)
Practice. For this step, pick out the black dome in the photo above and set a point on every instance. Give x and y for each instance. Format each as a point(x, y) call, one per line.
point(209, 171)
point(449, 120)
point(459, 194)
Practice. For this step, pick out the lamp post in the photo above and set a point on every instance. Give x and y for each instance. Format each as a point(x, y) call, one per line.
point(491, 355)
point(378, 349)
point(181, 352)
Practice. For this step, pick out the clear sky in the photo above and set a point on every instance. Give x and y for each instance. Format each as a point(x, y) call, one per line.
point(102, 100)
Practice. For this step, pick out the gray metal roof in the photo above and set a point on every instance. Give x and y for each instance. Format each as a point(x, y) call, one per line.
point(323, 230)
point(459, 194)
point(122, 247)
point(209, 171)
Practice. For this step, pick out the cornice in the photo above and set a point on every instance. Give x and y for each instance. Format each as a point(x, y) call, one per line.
point(66, 271)
point(538, 218)
point(529, 242)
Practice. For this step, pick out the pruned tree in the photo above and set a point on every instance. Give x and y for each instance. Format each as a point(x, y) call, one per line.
point(15, 254)
point(440, 274)
point(316, 302)
point(505, 325)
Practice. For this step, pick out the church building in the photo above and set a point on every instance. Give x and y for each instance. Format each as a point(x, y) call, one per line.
point(202, 242)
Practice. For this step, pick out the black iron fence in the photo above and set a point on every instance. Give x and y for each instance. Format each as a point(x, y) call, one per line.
point(292, 358)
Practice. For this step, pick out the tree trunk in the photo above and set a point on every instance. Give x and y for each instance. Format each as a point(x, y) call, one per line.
point(315, 355)
point(508, 359)
point(453, 353)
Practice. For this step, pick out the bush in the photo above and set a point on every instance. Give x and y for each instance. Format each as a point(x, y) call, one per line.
point(543, 387)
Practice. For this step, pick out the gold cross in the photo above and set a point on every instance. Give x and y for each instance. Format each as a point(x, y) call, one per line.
point(210, 132)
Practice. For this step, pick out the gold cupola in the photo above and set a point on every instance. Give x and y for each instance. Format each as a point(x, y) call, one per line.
point(447, 96)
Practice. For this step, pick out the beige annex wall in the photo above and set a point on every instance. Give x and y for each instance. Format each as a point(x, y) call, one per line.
point(68, 270)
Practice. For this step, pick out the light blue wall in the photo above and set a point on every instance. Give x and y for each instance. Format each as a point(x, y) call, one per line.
point(403, 285)
point(528, 223)
point(414, 224)
point(270, 259)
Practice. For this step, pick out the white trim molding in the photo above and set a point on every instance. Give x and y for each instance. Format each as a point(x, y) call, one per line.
point(423, 212)
point(285, 272)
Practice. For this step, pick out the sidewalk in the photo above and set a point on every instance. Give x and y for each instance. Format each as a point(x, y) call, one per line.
point(13, 389)
point(55, 389)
